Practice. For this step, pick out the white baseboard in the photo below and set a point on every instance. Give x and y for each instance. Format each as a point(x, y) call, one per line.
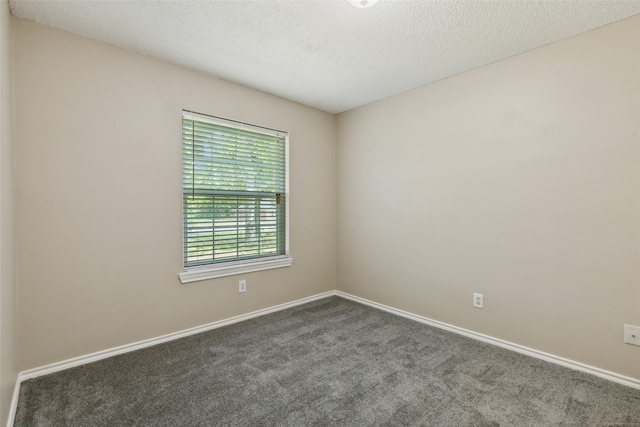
point(572, 364)
point(14, 402)
point(93, 357)
point(81, 360)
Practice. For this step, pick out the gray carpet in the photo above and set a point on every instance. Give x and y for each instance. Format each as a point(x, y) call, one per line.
point(329, 362)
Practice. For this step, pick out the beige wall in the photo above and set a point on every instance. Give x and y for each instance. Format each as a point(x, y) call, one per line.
point(521, 181)
point(99, 204)
point(8, 320)
point(8, 326)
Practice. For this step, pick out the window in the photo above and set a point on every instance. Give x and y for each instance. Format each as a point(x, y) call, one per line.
point(234, 184)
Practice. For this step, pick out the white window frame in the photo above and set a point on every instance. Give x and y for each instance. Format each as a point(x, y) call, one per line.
point(229, 268)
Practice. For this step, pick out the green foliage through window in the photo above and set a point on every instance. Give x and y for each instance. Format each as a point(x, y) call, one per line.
point(234, 183)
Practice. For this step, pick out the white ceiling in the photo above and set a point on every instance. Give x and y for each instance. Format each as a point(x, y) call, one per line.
point(328, 54)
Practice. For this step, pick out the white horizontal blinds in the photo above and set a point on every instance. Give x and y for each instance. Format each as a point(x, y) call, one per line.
point(234, 179)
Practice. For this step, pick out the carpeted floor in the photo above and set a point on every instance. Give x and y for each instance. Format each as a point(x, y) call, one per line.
point(329, 362)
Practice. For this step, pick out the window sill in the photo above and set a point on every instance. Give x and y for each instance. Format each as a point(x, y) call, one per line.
point(194, 274)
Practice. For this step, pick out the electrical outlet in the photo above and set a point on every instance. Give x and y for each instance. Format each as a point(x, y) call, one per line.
point(242, 286)
point(632, 334)
point(478, 300)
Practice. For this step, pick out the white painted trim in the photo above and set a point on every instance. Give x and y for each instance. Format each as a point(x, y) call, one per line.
point(228, 269)
point(572, 364)
point(14, 401)
point(93, 357)
point(233, 123)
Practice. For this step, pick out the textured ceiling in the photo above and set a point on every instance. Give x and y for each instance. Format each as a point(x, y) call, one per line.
point(328, 54)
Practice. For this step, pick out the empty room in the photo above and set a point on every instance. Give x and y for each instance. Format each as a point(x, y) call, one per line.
point(332, 212)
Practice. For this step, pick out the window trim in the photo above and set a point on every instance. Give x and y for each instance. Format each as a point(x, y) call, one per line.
point(212, 271)
point(230, 268)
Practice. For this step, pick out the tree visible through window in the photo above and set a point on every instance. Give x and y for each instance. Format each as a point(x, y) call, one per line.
point(234, 183)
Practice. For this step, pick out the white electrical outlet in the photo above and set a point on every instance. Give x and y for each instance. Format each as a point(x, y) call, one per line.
point(242, 286)
point(632, 334)
point(478, 300)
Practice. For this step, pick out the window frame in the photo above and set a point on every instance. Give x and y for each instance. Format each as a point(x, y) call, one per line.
point(233, 266)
